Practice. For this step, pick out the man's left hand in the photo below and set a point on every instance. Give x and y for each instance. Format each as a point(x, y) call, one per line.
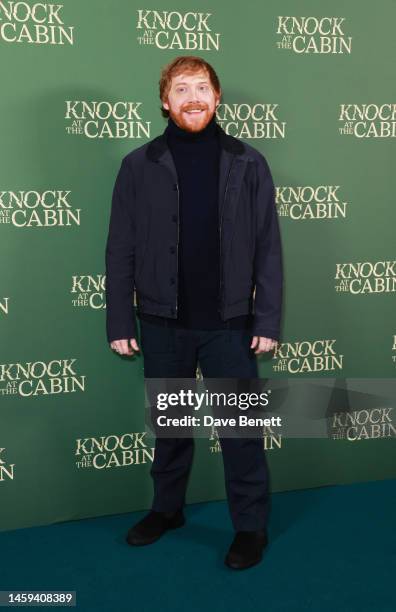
point(262, 344)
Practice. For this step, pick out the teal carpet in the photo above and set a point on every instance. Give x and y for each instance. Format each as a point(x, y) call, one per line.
point(332, 549)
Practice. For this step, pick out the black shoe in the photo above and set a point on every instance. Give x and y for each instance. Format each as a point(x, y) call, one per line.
point(246, 549)
point(153, 526)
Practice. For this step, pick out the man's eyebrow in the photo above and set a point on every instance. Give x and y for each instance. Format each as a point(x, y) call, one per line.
point(184, 82)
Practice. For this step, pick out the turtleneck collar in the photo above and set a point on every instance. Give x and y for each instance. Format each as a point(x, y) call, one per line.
point(175, 132)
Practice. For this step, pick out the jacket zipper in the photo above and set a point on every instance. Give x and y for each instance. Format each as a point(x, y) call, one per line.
point(221, 221)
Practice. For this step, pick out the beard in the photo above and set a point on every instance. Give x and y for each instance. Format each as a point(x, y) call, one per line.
point(192, 122)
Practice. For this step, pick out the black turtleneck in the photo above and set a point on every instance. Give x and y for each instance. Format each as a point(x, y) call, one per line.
point(196, 156)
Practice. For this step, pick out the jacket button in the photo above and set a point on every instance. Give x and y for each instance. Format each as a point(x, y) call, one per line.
point(174, 218)
point(174, 186)
point(172, 281)
point(172, 249)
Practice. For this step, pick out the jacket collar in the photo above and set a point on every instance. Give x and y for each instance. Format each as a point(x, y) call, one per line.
point(158, 146)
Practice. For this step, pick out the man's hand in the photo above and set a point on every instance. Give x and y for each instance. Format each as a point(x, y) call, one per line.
point(122, 346)
point(263, 344)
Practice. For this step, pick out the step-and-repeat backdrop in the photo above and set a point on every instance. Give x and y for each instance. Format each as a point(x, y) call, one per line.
point(311, 86)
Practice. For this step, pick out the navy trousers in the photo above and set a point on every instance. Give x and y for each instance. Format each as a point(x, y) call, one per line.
point(171, 352)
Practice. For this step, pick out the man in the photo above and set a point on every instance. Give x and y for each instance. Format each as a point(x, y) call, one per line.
point(194, 229)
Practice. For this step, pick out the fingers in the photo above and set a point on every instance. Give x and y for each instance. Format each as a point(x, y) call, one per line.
point(122, 347)
point(254, 342)
point(262, 344)
point(134, 344)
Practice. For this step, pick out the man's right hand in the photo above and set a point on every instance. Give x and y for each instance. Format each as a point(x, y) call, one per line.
point(122, 347)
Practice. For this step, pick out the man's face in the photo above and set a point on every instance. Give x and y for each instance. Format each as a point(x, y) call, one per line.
point(191, 101)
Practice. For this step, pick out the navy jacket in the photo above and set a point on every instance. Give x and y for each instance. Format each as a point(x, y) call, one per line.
point(143, 238)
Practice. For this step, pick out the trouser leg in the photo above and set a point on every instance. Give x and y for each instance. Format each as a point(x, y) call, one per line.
point(169, 353)
point(227, 354)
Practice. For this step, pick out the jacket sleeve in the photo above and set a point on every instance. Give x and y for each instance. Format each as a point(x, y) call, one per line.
point(268, 257)
point(120, 259)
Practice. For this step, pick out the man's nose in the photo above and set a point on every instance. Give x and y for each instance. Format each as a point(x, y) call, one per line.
point(195, 96)
point(194, 99)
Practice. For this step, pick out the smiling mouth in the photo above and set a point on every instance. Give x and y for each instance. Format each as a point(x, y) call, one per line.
point(195, 111)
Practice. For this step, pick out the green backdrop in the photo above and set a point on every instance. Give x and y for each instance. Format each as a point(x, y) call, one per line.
point(310, 85)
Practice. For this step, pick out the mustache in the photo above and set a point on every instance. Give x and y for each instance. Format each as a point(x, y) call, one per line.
point(187, 108)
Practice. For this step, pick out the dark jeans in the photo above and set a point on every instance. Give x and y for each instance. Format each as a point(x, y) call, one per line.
point(174, 353)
